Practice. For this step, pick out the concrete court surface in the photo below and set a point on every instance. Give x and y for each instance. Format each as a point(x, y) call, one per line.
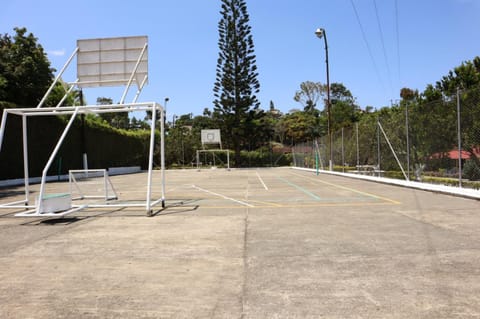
point(257, 243)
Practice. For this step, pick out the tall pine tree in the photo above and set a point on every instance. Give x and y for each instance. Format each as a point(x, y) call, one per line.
point(236, 84)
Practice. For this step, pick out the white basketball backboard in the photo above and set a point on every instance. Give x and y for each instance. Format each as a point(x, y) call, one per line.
point(111, 61)
point(211, 137)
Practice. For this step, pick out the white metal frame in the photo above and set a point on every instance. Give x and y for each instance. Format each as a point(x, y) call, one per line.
point(211, 136)
point(109, 192)
point(73, 112)
point(213, 152)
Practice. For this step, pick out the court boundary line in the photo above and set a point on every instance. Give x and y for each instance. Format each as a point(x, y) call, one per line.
point(350, 189)
point(314, 196)
point(261, 180)
point(222, 196)
point(440, 189)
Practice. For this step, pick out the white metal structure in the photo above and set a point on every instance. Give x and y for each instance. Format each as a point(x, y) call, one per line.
point(91, 183)
point(100, 62)
point(213, 154)
point(211, 137)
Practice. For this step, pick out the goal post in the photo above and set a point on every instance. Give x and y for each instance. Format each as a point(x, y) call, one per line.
point(91, 183)
point(120, 61)
point(212, 151)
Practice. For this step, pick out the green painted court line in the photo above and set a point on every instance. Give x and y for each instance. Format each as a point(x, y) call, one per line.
point(300, 188)
point(350, 189)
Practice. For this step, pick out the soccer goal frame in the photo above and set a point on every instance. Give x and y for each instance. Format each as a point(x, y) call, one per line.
point(100, 62)
point(108, 190)
point(213, 151)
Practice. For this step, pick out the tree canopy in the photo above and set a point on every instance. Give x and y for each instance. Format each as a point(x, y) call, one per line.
point(236, 84)
point(25, 72)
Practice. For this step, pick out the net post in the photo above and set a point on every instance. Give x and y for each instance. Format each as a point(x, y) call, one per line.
point(198, 160)
point(162, 152)
point(25, 157)
point(228, 159)
point(3, 127)
point(105, 184)
point(150, 159)
point(50, 160)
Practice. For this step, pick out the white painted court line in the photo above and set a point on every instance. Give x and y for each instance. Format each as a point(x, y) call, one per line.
point(261, 181)
point(222, 196)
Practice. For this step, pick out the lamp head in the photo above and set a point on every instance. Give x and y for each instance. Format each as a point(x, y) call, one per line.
point(320, 32)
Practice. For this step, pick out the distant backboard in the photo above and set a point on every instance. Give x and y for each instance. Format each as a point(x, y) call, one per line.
point(111, 61)
point(211, 137)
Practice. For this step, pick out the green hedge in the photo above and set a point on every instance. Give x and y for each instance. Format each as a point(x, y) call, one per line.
point(106, 147)
point(264, 158)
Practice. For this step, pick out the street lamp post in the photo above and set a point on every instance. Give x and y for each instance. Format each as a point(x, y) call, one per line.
point(320, 33)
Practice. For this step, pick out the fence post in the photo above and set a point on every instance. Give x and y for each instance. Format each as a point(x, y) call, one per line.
point(379, 159)
point(459, 135)
point(343, 155)
point(358, 150)
point(408, 140)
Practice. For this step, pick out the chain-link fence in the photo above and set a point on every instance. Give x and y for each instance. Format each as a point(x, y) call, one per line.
point(435, 141)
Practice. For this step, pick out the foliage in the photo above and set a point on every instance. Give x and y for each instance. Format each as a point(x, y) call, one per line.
point(301, 126)
point(344, 109)
point(25, 72)
point(58, 92)
point(118, 120)
point(471, 170)
point(105, 146)
point(236, 82)
point(309, 94)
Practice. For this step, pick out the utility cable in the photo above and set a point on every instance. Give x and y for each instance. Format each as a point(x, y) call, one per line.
point(389, 74)
point(368, 46)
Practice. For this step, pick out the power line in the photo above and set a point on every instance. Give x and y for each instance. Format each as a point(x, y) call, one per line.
point(398, 41)
point(389, 74)
point(368, 46)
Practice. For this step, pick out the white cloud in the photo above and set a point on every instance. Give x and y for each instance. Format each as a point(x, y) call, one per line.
point(57, 52)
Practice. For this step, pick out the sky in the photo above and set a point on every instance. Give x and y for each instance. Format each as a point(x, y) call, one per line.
point(375, 47)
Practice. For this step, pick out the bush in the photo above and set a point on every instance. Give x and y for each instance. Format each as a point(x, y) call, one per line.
point(105, 146)
point(471, 170)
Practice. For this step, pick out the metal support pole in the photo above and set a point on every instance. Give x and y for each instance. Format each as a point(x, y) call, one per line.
point(393, 151)
point(163, 119)
point(50, 160)
point(83, 135)
point(321, 33)
point(293, 155)
point(25, 158)
point(134, 71)
point(379, 158)
point(70, 89)
point(150, 160)
point(408, 140)
point(198, 160)
point(57, 78)
point(228, 159)
point(343, 154)
point(3, 127)
point(139, 90)
point(162, 154)
point(358, 149)
point(459, 136)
